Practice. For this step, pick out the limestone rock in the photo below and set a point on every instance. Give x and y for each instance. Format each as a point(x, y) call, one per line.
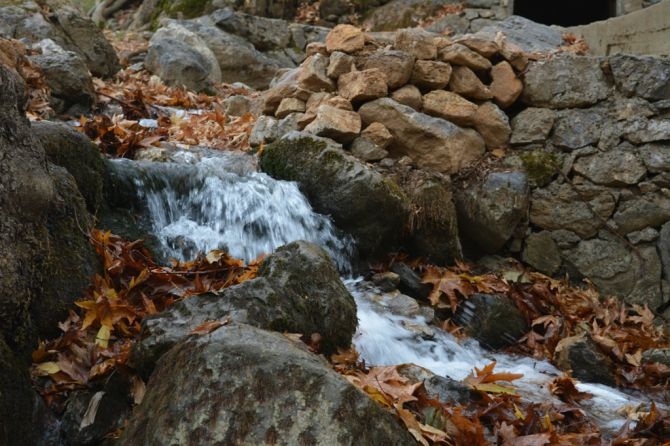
point(565, 81)
point(359, 86)
point(450, 106)
point(366, 150)
point(529, 36)
point(264, 131)
point(313, 76)
point(612, 168)
point(285, 85)
point(644, 76)
point(656, 157)
point(288, 106)
point(341, 125)
point(487, 47)
point(345, 38)
point(432, 143)
point(532, 125)
point(396, 65)
point(466, 83)
point(378, 134)
point(542, 253)
point(651, 130)
point(417, 42)
point(457, 54)
point(577, 128)
point(431, 74)
point(492, 123)
point(505, 86)
point(263, 33)
point(340, 63)
point(647, 210)
point(408, 95)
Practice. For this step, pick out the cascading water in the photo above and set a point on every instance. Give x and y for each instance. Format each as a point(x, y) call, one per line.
point(220, 201)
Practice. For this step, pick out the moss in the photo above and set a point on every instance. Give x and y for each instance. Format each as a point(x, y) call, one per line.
point(540, 166)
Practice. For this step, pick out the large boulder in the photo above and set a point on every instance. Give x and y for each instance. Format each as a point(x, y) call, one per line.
point(362, 202)
point(298, 290)
point(526, 34)
point(244, 385)
point(644, 76)
point(432, 143)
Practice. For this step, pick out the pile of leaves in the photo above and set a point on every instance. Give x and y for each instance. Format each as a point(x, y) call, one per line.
point(97, 341)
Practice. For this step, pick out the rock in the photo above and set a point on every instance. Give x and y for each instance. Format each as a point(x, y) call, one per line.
point(332, 10)
point(264, 131)
point(574, 129)
point(532, 125)
point(457, 54)
point(430, 74)
point(647, 210)
point(331, 122)
point(505, 86)
point(360, 86)
point(68, 77)
point(492, 123)
point(280, 9)
point(656, 157)
point(542, 253)
point(313, 76)
point(365, 150)
point(565, 81)
point(236, 105)
point(286, 85)
point(361, 201)
point(378, 134)
point(251, 399)
point(449, 106)
point(180, 57)
point(651, 130)
point(302, 35)
point(340, 63)
point(397, 14)
point(485, 46)
point(656, 355)
point(450, 25)
point(663, 246)
point(316, 48)
point(432, 143)
point(644, 76)
point(466, 83)
point(288, 106)
point(396, 65)
point(582, 356)
point(562, 206)
point(441, 388)
point(529, 36)
point(489, 211)
point(420, 44)
point(388, 281)
point(263, 33)
point(410, 282)
point(612, 168)
point(345, 38)
point(540, 166)
point(408, 95)
point(642, 236)
point(492, 320)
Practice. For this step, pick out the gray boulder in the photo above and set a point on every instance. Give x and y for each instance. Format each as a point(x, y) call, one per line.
point(528, 35)
point(370, 207)
point(574, 129)
point(542, 253)
point(432, 143)
point(244, 385)
point(490, 210)
point(644, 76)
point(532, 125)
point(298, 290)
point(263, 33)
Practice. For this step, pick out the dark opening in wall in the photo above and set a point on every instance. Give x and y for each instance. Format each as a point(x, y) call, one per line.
point(565, 12)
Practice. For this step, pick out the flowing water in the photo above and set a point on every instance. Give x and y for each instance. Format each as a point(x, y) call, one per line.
point(220, 201)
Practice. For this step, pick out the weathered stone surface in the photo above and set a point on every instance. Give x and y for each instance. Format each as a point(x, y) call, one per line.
point(345, 38)
point(235, 383)
point(656, 157)
point(264, 131)
point(288, 106)
point(562, 206)
point(408, 95)
point(485, 46)
point(645, 131)
point(644, 76)
point(263, 33)
point(574, 129)
point(526, 34)
point(361, 201)
point(658, 355)
point(642, 236)
point(359, 86)
point(465, 82)
point(611, 168)
point(430, 74)
point(648, 210)
point(565, 81)
point(316, 48)
point(397, 14)
point(417, 42)
point(331, 122)
point(236, 105)
point(313, 76)
point(364, 149)
point(663, 246)
point(532, 125)
point(432, 143)
point(489, 211)
point(396, 65)
point(450, 106)
point(285, 85)
point(505, 86)
point(492, 123)
point(542, 253)
point(493, 320)
point(340, 63)
point(582, 356)
point(457, 54)
point(378, 134)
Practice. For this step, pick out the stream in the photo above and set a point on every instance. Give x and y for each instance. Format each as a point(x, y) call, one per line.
point(198, 201)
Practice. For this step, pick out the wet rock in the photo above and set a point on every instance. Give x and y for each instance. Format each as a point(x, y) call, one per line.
point(656, 157)
point(581, 356)
point(430, 74)
point(542, 253)
point(252, 399)
point(492, 320)
point(408, 95)
point(361, 201)
point(489, 211)
point(359, 86)
point(644, 76)
point(441, 388)
point(417, 42)
point(396, 65)
point(410, 282)
point(493, 124)
point(450, 106)
point(465, 82)
point(432, 143)
point(565, 81)
point(562, 206)
point(331, 122)
point(345, 38)
point(532, 125)
point(611, 168)
point(386, 281)
point(505, 86)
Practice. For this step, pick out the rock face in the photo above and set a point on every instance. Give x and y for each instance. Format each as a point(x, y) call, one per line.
point(243, 385)
point(493, 320)
point(361, 201)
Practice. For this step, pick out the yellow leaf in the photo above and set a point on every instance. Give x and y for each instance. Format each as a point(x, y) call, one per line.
point(518, 414)
point(102, 338)
point(47, 368)
point(494, 388)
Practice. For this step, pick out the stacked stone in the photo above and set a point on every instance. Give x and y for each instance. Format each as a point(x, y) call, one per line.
point(420, 95)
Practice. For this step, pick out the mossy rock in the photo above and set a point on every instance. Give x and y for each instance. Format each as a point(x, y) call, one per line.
point(362, 202)
point(541, 167)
